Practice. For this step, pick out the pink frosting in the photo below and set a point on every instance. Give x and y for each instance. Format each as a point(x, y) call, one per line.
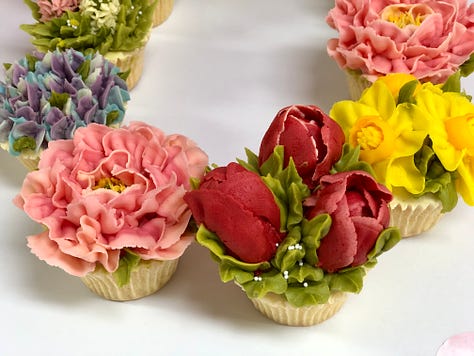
point(87, 225)
point(55, 8)
point(431, 50)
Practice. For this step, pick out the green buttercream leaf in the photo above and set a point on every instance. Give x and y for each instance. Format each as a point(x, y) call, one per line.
point(7, 66)
point(229, 272)
point(58, 99)
point(314, 293)
point(273, 166)
point(34, 9)
point(406, 92)
point(313, 231)
point(453, 84)
point(112, 117)
point(279, 194)
point(127, 262)
point(252, 162)
point(124, 75)
point(31, 60)
point(349, 161)
point(385, 241)
point(290, 251)
point(24, 143)
point(84, 68)
point(350, 280)
point(211, 241)
point(438, 181)
point(271, 282)
point(305, 272)
point(468, 66)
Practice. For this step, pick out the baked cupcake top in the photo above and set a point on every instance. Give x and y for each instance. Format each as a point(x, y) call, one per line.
point(110, 197)
point(303, 231)
point(418, 137)
point(90, 25)
point(46, 97)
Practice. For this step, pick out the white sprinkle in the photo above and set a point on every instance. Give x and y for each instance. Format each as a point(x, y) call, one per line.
point(305, 284)
point(291, 248)
point(300, 263)
point(277, 244)
point(285, 274)
point(257, 279)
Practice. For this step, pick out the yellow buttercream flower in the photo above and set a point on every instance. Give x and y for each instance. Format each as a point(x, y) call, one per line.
point(389, 135)
point(451, 129)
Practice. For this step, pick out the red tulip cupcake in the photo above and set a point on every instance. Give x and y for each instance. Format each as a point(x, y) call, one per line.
point(112, 204)
point(295, 229)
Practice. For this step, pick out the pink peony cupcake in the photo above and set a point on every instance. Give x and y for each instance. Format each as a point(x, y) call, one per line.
point(431, 40)
point(111, 201)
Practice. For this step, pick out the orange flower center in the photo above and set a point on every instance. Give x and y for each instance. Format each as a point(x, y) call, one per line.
point(111, 183)
point(375, 138)
point(403, 15)
point(460, 130)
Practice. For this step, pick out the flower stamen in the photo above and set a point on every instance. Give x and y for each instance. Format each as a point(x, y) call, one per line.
point(111, 183)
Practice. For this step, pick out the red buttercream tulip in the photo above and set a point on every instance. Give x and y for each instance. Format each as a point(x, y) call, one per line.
point(236, 205)
point(358, 206)
point(310, 136)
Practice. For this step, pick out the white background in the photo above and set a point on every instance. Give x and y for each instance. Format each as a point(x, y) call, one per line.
point(218, 71)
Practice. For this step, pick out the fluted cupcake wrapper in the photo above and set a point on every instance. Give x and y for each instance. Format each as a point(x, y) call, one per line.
point(415, 215)
point(276, 308)
point(356, 84)
point(162, 11)
point(131, 61)
point(145, 279)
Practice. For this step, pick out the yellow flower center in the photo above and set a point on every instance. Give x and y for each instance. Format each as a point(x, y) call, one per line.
point(111, 183)
point(403, 15)
point(460, 130)
point(375, 138)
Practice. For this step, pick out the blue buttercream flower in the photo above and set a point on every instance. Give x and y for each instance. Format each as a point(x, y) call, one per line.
point(48, 96)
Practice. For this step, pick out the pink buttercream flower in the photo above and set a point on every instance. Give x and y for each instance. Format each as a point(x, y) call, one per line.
point(426, 38)
point(55, 8)
point(111, 189)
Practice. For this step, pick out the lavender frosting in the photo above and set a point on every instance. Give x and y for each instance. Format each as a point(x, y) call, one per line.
point(48, 96)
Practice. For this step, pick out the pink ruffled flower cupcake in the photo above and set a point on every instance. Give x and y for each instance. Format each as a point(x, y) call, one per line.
point(111, 201)
point(431, 40)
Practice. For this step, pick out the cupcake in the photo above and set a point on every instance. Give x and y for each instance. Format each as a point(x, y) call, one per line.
point(48, 96)
point(162, 11)
point(118, 29)
point(297, 238)
point(418, 138)
point(431, 40)
point(112, 206)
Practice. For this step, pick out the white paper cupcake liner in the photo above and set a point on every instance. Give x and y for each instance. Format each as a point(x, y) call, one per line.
point(145, 279)
point(131, 61)
point(415, 215)
point(162, 12)
point(356, 84)
point(276, 308)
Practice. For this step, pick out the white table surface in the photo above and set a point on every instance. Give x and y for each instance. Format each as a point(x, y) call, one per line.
point(218, 71)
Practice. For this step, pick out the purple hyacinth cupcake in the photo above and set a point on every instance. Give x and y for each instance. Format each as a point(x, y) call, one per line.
point(47, 96)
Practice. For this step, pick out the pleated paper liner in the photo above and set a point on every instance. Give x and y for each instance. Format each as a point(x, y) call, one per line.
point(162, 12)
point(145, 279)
point(276, 308)
point(414, 215)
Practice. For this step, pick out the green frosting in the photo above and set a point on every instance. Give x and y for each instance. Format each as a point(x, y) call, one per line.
point(293, 271)
point(128, 261)
point(73, 29)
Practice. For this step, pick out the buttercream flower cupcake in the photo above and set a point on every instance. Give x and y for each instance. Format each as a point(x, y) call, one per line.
point(418, 138)
point(296, 251)
point(118, 29)
point(162, 11)
point(46, 97)
point(112, 206)
point(429, 39)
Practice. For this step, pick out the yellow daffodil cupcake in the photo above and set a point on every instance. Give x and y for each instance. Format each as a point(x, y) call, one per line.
point(419, 139)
